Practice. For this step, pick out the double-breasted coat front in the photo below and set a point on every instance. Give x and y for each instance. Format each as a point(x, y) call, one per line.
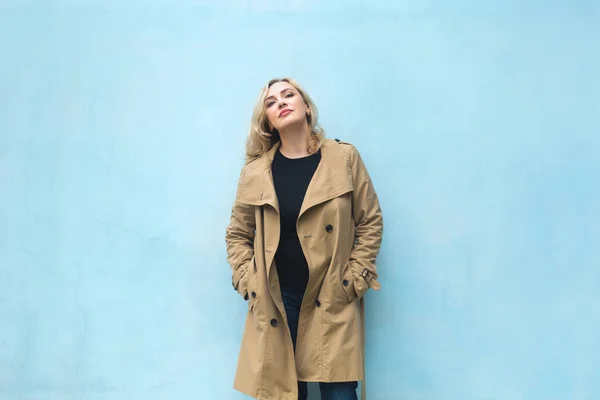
point(340, 230)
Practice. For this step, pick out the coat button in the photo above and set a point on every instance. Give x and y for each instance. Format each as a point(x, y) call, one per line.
point(318, 303)
point(253, 295)
point(274, 322)
point(329, 228)
point(345, 282)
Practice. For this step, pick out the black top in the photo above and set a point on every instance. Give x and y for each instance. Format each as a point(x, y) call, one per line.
point(291, 178)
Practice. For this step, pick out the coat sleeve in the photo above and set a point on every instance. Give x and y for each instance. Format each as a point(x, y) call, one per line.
point(239, 239)
point(369, 227)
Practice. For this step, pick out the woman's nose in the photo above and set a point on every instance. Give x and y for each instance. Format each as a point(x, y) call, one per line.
point(281, 103)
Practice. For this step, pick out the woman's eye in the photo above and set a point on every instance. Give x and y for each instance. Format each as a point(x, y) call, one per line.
point(290, 94)
point(269, 104)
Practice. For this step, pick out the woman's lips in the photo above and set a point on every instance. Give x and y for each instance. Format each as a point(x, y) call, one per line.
point(284, 113)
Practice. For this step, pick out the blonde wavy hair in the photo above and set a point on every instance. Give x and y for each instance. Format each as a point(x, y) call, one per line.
point(261, 138)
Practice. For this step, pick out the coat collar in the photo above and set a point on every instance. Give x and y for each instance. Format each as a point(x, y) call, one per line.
point(332, 178)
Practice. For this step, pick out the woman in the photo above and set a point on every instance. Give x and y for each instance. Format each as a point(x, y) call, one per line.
point(305, 230)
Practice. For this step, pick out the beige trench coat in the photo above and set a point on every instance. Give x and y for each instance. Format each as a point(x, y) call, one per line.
point(340, 230)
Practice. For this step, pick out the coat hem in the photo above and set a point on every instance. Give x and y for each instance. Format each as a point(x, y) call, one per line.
point(317, 380)
point(257, 396)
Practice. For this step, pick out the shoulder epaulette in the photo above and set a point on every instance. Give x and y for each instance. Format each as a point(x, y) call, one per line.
point(342, 142)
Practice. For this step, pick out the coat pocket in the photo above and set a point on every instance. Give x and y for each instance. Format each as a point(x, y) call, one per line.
point(252, 287)
point(240, 278)
point(347, 283)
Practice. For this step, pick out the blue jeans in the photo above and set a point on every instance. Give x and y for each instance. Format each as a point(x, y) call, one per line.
point(331, 391)
point(292, 300)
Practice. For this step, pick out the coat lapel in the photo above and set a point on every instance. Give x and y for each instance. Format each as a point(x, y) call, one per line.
point(256, 185)
point(332, 178)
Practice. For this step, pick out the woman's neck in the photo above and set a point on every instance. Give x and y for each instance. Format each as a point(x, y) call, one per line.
point(294, 141)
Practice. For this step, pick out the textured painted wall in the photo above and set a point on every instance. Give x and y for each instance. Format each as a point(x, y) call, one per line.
point(122, 127)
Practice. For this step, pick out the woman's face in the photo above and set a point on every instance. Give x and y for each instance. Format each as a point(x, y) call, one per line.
point(284, 106)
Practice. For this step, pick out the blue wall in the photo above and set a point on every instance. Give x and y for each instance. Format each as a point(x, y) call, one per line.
point(122, 127)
